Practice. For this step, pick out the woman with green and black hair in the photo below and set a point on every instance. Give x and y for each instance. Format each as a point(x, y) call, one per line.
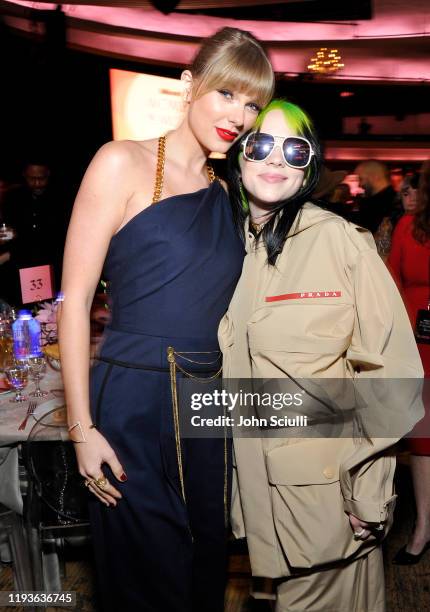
point(266, 216)
point(314, 301)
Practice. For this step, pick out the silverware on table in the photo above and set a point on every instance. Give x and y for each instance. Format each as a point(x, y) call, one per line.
point(30, 410)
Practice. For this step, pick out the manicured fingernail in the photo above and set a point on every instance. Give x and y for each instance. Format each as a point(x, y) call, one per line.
point(123, 477)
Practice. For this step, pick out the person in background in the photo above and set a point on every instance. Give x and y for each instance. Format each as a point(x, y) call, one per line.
point(378, 205)
point(379, 195)
point(4, 240)
point(4, 188)
point(155, 217)
point(37, 211)
point(341, 194)
point(8, 288)
point(409, 262)
point(396, 178)
point(329, 190)
point(408, 193)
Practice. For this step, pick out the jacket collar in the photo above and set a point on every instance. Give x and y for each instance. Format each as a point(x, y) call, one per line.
point(309, 216)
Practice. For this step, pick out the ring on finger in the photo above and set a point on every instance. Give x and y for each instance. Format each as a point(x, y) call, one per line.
point(358, 534)
point(101, 482)
point(97, 492)
point(92, 486)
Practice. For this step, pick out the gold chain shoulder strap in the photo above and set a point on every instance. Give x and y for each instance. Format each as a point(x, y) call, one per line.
point(211, 173)
point(159, 172)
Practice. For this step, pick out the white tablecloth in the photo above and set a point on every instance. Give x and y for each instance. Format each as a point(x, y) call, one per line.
point(11, 415)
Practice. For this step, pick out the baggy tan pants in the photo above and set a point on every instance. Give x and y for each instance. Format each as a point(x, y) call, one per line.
point(346, 587)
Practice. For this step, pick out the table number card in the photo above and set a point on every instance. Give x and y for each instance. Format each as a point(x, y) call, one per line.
point(37, 283)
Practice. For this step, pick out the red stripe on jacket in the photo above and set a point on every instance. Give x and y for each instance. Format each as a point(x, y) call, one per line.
point(303, 295)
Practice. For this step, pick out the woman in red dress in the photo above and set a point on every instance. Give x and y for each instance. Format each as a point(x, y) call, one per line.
point(409, 262)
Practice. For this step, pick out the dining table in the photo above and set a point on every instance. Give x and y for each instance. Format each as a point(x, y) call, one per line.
point(13, 477)
point(11, 416)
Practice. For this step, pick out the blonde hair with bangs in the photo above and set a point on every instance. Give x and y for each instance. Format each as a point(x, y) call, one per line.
point(233, 59)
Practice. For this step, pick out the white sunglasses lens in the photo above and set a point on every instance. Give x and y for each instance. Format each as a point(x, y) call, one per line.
point(297, 152)
point(259, 146)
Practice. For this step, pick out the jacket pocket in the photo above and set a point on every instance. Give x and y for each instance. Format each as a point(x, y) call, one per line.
point(307, 502)
point(226, 332)
point(302, 328)
point(302, 340)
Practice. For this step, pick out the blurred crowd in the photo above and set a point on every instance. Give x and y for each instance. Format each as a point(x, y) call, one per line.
point(35, 211)
point(380, 198)
point(34, 214)
point(399, 220)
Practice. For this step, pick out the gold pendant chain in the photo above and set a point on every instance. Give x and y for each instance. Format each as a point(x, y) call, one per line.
point(257, 227)
point(159, 172)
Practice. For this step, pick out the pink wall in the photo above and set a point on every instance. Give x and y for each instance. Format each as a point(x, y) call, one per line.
point(395, 44)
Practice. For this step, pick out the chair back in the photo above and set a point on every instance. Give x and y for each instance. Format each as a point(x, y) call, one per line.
point(53, 471)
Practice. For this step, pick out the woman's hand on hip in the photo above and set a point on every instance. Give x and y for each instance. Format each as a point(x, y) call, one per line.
point(91, 456)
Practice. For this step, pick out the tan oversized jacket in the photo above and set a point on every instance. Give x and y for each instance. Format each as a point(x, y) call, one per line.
point(333, 311)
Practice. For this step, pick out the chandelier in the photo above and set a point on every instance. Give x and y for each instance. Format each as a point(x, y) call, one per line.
point(326, 61)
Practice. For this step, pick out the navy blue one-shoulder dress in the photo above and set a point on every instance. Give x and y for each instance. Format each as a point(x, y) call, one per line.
point(172, 270)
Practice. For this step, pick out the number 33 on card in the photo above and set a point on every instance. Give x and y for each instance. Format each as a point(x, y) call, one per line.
point(36, 284)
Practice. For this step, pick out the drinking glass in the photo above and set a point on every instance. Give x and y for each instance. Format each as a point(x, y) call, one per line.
point(6, 344)
point(6, 341)
point(17, 375)
point(37, 369)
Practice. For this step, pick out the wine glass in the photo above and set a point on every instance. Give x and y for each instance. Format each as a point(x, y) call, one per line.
point(17, 375)
point(6, 343)
point(37, 369)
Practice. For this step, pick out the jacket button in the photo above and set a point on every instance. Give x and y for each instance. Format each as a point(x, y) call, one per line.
point(328, 472)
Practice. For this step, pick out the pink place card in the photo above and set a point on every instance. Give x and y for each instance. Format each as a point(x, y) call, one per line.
point(36, 284)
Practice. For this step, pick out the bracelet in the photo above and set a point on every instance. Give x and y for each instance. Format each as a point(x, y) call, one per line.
point(78, 424)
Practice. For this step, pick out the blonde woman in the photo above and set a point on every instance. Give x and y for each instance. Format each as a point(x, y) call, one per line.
point(154, 214)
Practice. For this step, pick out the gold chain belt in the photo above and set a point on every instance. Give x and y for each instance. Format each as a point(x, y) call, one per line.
point(173, 367)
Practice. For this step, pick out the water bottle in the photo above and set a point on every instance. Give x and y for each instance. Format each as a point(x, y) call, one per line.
point(26, 336)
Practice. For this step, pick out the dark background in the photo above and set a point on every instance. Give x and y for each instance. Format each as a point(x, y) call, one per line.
point(55, 102)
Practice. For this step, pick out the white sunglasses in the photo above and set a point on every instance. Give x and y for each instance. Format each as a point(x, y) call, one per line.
point(296, 150)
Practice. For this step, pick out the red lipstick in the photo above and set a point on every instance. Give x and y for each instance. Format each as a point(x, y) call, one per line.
point(226, 134)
